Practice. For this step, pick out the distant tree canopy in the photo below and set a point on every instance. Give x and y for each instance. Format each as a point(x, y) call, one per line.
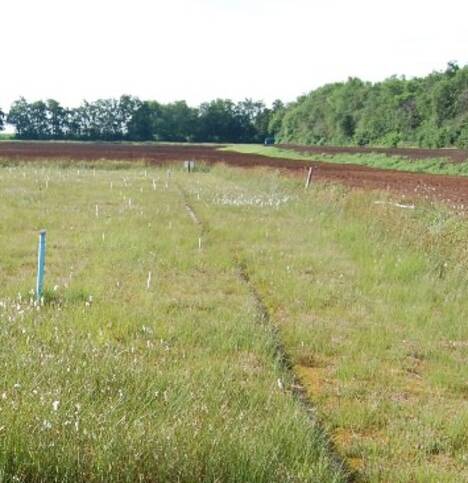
point(129, 118)
point(429, 112)
point(2, 119)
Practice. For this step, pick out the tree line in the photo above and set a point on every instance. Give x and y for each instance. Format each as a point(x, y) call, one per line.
point(430, 111)
point(131, 119)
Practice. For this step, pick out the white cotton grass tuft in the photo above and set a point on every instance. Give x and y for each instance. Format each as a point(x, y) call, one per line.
point(46, 425)
point(258, 200)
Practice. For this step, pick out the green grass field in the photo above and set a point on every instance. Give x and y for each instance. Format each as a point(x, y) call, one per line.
point(184, 311)
point(373, 160)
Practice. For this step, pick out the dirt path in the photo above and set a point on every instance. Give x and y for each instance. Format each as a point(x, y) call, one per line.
point(450, 189)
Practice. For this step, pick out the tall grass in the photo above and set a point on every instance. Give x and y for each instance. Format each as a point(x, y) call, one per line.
point(115, 379)
point(176, 380)
point(370, 301)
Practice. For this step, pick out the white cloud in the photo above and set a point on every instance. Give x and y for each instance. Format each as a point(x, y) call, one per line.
point(199, 50)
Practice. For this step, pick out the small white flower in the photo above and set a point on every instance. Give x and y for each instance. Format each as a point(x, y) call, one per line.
point(280, 385)
point(55, 405)
point(46, 424)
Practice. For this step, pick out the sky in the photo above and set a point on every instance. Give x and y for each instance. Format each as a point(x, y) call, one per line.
point(199, 50)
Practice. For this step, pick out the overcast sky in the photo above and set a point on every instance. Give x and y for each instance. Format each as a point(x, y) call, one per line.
point(202, 49)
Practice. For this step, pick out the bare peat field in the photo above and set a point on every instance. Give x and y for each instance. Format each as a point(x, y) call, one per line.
point(228, 325)
point(344, 165)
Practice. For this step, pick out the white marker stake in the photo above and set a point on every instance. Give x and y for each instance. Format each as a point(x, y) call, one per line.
point(148, 281)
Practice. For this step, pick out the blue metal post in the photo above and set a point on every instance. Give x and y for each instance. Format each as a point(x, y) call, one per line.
point(41, 251)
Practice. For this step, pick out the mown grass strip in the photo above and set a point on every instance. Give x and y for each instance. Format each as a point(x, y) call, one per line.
point(373, 160)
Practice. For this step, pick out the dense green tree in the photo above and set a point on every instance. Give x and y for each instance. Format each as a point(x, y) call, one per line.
point(129, 118)
point(276, 117)
point(140, 126)
point(430, 111)
point(57, 119)
point(20, 116)
point(177, 122)
point(255, 118)
point(219, 122)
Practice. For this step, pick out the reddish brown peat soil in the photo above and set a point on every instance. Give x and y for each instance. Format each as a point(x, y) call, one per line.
point(450, 189)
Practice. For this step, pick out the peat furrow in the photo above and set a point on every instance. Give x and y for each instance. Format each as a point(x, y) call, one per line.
point(296, 389)
point(192, 213)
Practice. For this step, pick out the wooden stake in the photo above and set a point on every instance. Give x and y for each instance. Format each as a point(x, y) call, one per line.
point(309, 177)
